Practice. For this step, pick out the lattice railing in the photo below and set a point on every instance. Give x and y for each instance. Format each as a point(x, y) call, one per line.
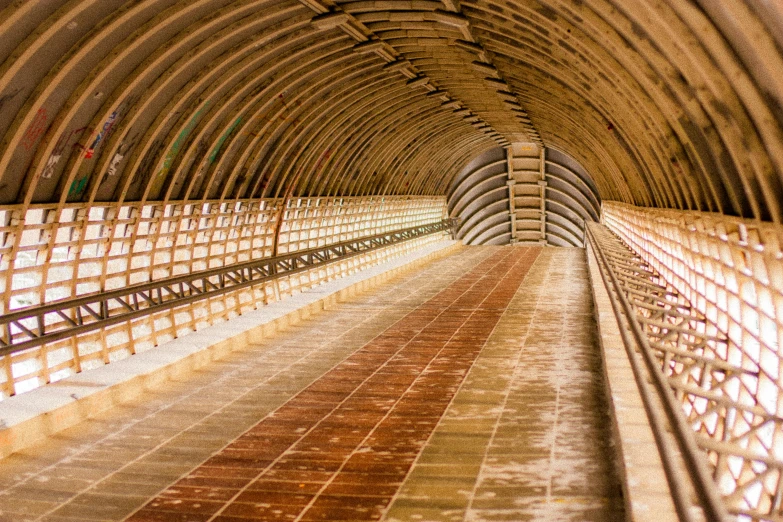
point(715, 323)
point(49, 254)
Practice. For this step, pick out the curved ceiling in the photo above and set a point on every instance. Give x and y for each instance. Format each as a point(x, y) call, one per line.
point(665, 103)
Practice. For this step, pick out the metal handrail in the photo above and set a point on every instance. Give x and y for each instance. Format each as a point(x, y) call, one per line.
point(90, 312)
point(699, 476)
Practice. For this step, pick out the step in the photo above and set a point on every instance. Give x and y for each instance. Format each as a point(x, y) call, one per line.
point(528, 213)
point(528, 235)
point(528, 224)
point(526, 164)
point(527, 202)
point(527, 190)
point(526, 176)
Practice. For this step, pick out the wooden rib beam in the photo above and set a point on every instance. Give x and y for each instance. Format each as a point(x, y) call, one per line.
point(371, 42)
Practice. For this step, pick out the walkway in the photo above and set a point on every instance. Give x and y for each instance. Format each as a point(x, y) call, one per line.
point(469, 390)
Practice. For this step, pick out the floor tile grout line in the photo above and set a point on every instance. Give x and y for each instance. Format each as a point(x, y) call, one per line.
point(166, 441)
point(254, 425)
point(529, 252)
point(473, 492)
point(312, 502)
point(555, 422)
point(141, 421)
point(550, 473)
point(179, 400)
point(336, 364)
point(373, 431)
point(353, 471)
point(303, 435)
point(135, 423)
point(242, 490)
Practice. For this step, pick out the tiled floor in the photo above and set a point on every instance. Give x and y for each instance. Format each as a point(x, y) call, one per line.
point(527, 435)
point(465, 391)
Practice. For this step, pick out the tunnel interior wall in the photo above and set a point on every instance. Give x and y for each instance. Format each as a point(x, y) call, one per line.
point(666, 104)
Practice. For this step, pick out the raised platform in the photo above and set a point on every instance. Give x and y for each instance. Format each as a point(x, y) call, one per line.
point(645, 487)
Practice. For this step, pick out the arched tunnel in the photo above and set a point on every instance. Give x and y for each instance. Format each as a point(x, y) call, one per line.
point(177, 176)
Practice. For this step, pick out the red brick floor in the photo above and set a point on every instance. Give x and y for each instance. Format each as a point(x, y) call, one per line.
point(340, 449)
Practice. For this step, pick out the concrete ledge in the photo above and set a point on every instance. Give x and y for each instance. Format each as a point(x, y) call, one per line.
point(645, 487)
point(32, 416)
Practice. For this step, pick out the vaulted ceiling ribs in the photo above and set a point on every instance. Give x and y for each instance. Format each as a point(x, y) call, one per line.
point(667, 104)
point(247, 99)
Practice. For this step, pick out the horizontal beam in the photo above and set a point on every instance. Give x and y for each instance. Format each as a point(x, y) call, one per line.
point(36, 326)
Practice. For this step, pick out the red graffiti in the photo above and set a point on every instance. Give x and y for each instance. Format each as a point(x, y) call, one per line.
point(34, 131)
point(286, 108)
point(325, 156)
point(79, 133)
point(62, 143)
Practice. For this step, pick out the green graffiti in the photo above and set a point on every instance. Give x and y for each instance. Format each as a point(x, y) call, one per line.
point(78, 186)
point(222, 140)
point(177, 145)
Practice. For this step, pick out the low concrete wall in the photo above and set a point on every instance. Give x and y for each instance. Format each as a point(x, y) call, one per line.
point(645, 487)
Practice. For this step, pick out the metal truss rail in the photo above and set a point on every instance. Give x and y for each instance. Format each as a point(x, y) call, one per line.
point(36, 326)
point(678, 350)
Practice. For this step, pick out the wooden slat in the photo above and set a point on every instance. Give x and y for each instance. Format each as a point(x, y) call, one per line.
point(210, 235)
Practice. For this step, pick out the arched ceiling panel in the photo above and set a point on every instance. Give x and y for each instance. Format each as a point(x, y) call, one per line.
point(645, 64)
point(668, 104)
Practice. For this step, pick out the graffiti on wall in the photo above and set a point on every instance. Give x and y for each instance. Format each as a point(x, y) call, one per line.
point(105, 130)
point(61, 146)
point(222, 140)
point(177, 145)
point(35, 130)
point(78, 186)
point(119, 155)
